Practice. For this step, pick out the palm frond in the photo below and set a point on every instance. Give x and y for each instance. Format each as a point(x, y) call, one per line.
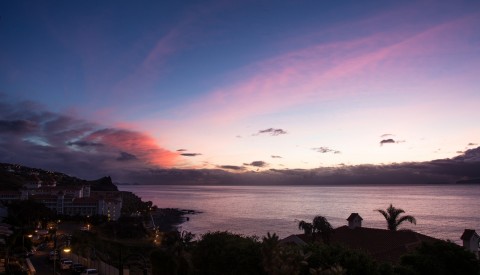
point(385, 214)
point(408, 218)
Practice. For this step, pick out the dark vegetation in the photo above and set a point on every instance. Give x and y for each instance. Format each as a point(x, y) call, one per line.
point(10, 182)
point(224, 252)
point(133, 204)
point(124, 228)
point(440, 258)
point(228, 253)
point(28, 214)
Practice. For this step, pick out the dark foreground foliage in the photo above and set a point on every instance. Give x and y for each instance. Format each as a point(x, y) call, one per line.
point(353, 262)
point(227, 253)
point(439, 258)
point(125, 228)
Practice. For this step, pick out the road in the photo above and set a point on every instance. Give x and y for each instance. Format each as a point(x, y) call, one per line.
point(44, 266)
point(40, 261)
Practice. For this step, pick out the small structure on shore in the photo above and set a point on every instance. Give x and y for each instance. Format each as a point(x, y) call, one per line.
point(471, 240)
point(354, 221)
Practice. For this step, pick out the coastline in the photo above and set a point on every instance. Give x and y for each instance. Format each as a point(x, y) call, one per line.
point(168, 219)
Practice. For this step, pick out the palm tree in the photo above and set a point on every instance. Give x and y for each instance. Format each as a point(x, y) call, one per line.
point(322, 227)
point(392, 215)
point(319, 226)
point(306, 227)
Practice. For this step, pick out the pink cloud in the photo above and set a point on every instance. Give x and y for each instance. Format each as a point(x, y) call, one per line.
point(334, 70)
point(138, 144)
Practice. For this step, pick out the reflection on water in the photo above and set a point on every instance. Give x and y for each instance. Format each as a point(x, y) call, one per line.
point(442, 211)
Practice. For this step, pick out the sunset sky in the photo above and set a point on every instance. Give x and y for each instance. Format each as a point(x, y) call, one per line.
point(237, 85)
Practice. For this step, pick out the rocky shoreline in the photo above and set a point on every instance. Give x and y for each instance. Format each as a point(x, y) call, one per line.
point(168, 219)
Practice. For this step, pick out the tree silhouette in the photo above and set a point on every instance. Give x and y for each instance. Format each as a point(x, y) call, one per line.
point(307, 227)
point(392, 215)
point(322, 227)
point(318, 227)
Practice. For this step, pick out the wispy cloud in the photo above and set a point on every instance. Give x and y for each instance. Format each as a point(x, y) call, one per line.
point(124, 156)
point(232, 167)
point(190, 154)
point(257, 163)
point(271, 131)
point(17, 126)
point(325, 150)
point(276, 157)
point(83, 143)
point(386, 141)
point(390, 141)
point(313, 72)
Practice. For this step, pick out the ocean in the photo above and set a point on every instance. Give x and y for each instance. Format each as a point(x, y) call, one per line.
point(442, 211)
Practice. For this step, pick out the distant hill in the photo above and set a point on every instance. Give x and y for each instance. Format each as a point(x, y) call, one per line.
point(9, 181)
point(14, 176)
point(102, 184)
point(469, 181)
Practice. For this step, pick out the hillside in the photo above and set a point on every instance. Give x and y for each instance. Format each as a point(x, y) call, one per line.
point(14, 176)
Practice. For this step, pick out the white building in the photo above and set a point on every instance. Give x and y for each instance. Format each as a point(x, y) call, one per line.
point(471, 240)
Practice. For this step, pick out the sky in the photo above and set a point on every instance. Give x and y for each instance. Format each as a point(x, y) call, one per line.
point(125, 87)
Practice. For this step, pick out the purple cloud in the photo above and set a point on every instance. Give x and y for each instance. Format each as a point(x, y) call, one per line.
point(325, 150)
point(271, 131)
point(191, 154)
point(257, 163)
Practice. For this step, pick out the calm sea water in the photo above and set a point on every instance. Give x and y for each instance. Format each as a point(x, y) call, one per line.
point(442, 211)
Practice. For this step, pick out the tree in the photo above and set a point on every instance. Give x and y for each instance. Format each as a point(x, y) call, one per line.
point(318, 227)
point(333, 259)
point(439, 258)
point(307, 227)
point(322, 227)
point(227, 253)
point(392, 215)
point(28, 213)
point(174, 257)
point(278, 259)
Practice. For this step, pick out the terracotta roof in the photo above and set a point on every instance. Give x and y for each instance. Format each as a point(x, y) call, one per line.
point(468, 234)
point(384, 245)
point(353, 216)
